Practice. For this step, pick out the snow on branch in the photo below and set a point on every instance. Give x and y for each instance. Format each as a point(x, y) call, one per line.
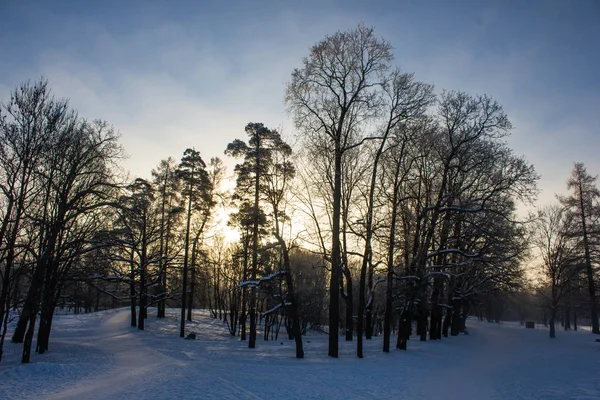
point(371, 298)
point(269, 246)
point(452, 251)
point(262, 280)
point(465, 263)
point(275, 308)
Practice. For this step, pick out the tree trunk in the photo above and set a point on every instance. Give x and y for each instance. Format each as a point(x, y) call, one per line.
point(369, 311)
point(294, 315)
point(267, 328)
point(552, 320)
point(132, 295)
point(349, 298)
point(4, 324)
point(465, 310)
point(447, 322)
point(243, 314)
point(387, 317)
point(162, 265)
point(422, 324)
point(334, 283)
point(435, 327)
point(361, 311)
point(26, 357)
point(192, 281)
point(184, 284)
point(194, 268)
point(5, 294)
point(435, 324)
point(252, 314)
point(403, 330)
point(44, 329)
point(255, 226)
point(455, 322)
point(30, 307)
point(47, 312)
point(161, 309)
point(142, 313)
point(388, 314)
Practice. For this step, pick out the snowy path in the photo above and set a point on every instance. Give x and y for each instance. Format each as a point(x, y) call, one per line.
point(98, 356)
point(135, 364)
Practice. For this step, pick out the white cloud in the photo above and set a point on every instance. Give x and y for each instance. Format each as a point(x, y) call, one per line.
point(169, 84)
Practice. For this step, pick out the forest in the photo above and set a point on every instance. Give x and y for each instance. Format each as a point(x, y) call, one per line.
point(392, 207)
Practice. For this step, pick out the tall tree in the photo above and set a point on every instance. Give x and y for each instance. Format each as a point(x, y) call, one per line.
point(584, 203)
point(397, 172)
point(244, 219)
point(558, 250)
point(404, 99)
point(168, 186)
point(215, 173)
point(472, 170)
point(139, 226)
point(251, 175)
point(332, 98)
point(278, 178)
point(78, 184)
point(27, 123)
point(195, 182)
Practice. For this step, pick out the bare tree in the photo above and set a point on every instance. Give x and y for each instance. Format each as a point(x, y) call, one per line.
point(139, 236)
point(78, 182)
point(404, 99)
point(398, 173)
point(332, 99)
point(558, 251)
point(27, 123)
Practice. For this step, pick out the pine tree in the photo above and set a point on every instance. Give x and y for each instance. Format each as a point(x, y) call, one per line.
point(584, 203)
point(251, 175)
point(196, 185)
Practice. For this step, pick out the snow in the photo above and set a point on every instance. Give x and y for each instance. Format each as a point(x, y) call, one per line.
point(261, 280)
point(98, 356)
point(276, 307)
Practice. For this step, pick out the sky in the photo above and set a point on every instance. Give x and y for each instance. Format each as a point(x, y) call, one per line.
point(176, 74)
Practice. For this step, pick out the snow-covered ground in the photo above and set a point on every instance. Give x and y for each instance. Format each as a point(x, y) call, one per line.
point(98, 356)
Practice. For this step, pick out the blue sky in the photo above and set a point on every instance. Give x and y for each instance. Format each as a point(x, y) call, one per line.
point(172, 75)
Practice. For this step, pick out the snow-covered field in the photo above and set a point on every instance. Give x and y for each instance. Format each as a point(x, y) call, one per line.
point(98, 356)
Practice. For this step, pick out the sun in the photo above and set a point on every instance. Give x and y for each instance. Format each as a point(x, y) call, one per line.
point(230, 234)
point(222, 228)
